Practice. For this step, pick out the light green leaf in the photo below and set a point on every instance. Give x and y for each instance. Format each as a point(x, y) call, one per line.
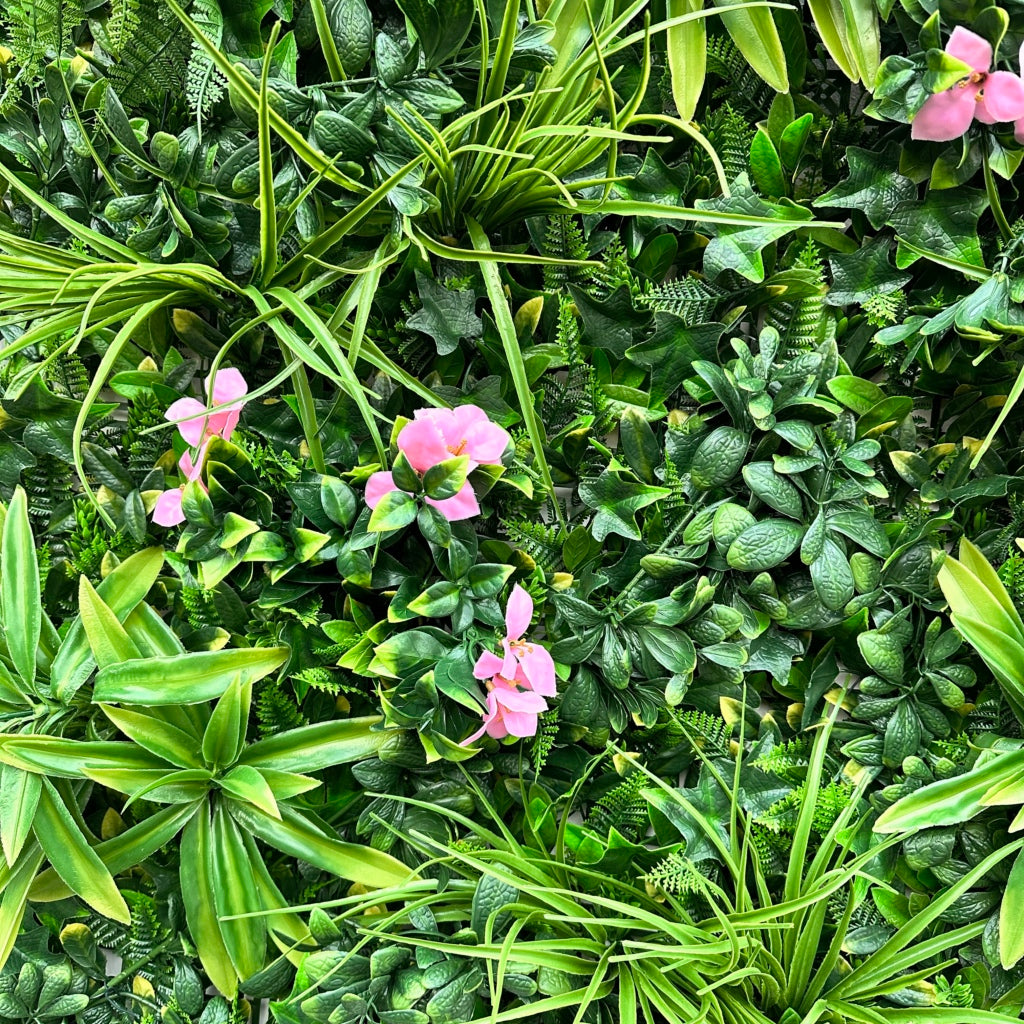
point(189, 678)
point(248, 784)
point(225, 733)
point(74, 859)
point(234, 892)
point(123, 851)
point(686, 48)
point(121, 591)
point(313, 747)
point(949, 801)
point(108, 639)
point(19, 589)
point(1011, 916)
point(150, 729)
point(19, 797)
point(197, 890)
point(296, 835)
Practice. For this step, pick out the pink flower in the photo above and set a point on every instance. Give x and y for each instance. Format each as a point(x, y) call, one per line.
point(510, 711)
point(435, 435)
point(1018, 125)
point(198, 425)
point(528, 663)
point(462, 505)
point(168, 510)
point(198, 422)
point(989, 96)
point(438, 434)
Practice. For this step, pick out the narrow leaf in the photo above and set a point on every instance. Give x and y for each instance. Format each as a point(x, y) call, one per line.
point(74, 859)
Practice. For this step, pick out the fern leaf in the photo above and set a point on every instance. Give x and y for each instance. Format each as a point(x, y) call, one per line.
point(204, 84)
point(37, 31)
point(148, 49)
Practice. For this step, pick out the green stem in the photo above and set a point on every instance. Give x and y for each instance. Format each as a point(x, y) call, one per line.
point(1002, 223)
point(510, 343)
point(307, 411)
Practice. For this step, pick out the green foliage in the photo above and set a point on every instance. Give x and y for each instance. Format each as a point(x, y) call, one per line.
point(742, 442)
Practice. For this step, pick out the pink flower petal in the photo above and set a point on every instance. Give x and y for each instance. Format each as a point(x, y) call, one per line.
point(167, 511)
point(512, 699)
point(1018, 130)
point(490, 716)
point(228, 386)
point(191, 429)
point(539, 669)
point(496, 728)
point(460, 506)
point(487, 665)
point(466, 415)
point(377, 486)
point(969, 47)
point(518, 613)
point(486, 443)
point(423, 444)
point(945, 116)
point(510, 663)
point(193, 469)
point(222, 424)
point(520, 723)
point(1002, 98)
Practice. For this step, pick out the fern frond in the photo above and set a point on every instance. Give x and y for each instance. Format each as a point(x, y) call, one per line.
point(37, 31)
point(623, 808)
point(204, 83)
point(677, 875)
point(143, 448)
point(148, 49)
point(541, 541)
point(707, 733)
point(276, 710)
point(787, 761)
point(805, 324)
point(692, 299)
point(743, 84)
point(544, 741)
point(564, 240)
point(731, 134)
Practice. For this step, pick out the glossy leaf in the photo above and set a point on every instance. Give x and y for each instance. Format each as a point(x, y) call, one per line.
point(312, 747)
point(19, 797)
point(185, 679)
point(197, 890)
point(150, 729)
point(225, 733)
point(123, 851)
point(74, 859)
point(108, 639)
point(235, 892)
point(19, 589)
point(248, 784)
point(121, 591)
point(296, 835)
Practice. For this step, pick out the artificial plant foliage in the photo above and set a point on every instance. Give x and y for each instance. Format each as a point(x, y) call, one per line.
point(510, 511)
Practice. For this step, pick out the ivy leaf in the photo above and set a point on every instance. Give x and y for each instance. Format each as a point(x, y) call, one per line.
point(874, 186)
point(610, 323)
point(739, 247)
point(863, 273)
point(989, 305)
point(671, 350)
point(656, 182)
point(448, 315)
point(946, 222)
point(617, 501)
point(706, 810)
point(773, 652)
